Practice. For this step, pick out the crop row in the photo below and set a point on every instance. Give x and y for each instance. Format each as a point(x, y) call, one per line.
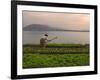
point(61, 45)
point(55, 50)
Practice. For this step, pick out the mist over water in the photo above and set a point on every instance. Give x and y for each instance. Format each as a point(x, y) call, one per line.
point(33, 37)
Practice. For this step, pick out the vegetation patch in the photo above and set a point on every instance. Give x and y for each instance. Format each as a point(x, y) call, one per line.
point(55, 55)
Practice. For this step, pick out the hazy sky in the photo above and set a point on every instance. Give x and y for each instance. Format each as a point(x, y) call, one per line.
point(73, 21)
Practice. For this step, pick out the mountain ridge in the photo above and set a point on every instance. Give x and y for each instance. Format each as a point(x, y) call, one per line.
point(40, 27)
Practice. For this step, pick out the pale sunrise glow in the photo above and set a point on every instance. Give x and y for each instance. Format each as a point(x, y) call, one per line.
point(74, 21)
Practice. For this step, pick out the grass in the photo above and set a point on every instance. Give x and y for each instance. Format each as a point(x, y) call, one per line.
point(58, 60)
point(55, 55)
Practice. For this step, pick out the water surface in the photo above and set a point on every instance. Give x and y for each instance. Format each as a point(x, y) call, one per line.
point(33, 37)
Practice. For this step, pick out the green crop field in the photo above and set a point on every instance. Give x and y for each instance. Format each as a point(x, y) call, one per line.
point(55, 55)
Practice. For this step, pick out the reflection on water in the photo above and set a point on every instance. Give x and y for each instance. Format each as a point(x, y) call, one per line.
point(33, 37)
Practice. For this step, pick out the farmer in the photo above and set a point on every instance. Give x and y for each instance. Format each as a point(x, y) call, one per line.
point(44, 40)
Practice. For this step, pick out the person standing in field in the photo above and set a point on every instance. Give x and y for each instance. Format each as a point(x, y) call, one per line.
point(44, 40)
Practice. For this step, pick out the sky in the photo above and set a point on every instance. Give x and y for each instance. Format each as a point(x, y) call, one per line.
point(72, 21)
